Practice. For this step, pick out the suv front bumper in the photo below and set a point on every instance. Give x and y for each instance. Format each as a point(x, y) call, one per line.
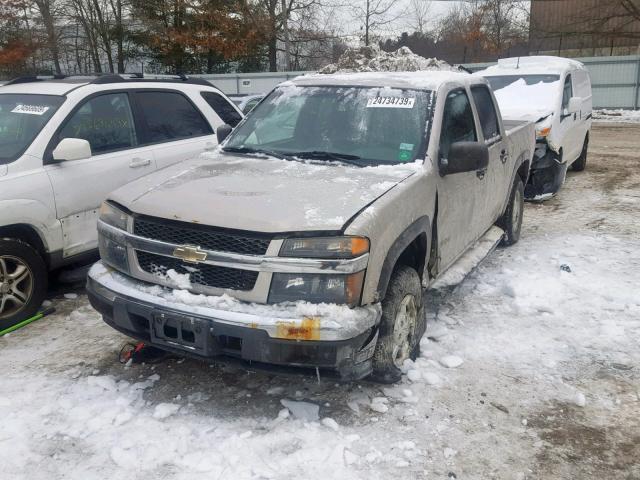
point(333, 338)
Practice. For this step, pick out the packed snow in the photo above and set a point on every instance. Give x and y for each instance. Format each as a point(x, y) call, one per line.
point(528, 102)
point(616, 116)
point(546, 384)
point(373, 59)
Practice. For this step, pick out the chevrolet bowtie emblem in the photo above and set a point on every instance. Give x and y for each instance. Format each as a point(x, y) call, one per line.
point(190, 254)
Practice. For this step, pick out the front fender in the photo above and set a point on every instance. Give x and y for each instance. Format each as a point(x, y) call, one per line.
point(36, 215)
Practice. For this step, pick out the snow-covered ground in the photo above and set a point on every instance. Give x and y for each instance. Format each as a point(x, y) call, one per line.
point(616, 116)
point(529, 370)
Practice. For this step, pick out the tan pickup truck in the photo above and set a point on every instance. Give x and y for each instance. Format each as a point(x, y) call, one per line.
point(308, 237)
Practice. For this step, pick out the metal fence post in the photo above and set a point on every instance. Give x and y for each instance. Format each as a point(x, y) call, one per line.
point(637, 87)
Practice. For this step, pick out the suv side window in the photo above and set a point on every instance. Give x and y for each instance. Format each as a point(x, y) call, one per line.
point(567, 92)
point(222, 107)
point(457, 121)
point(486, 112)
point(105, 121)
point(170, 116)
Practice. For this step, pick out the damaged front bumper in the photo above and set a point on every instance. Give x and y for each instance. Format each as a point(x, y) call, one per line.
point(548, 173)
point(334, 338)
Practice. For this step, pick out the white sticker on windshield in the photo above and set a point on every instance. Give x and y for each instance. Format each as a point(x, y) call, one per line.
point(390, 102)
point(30, 109)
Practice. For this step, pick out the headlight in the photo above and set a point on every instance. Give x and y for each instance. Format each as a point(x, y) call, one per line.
point(325, 247)
point(111, 215)
point(321, 288)
point(113, 253)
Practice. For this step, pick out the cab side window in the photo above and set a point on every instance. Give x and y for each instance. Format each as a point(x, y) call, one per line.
point(457, 121)
point(567, 92)
point(486, 112)
point(106, 122)
point(222, 107)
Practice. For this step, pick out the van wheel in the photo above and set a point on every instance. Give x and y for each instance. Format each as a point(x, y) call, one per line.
point(401, 326)
point(580, 164)
point(23, 282)
point(511, 220)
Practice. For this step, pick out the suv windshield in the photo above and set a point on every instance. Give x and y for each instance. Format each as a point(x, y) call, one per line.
point(21, 119)
point(502, 81)
point(357, 125)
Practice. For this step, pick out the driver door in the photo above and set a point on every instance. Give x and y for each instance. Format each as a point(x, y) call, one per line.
point(80, 186)
point(458, 225)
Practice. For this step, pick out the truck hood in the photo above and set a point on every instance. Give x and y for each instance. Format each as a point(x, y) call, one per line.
point(260, 194)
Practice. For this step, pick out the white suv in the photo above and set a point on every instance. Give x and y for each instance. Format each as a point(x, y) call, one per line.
point(65, 143)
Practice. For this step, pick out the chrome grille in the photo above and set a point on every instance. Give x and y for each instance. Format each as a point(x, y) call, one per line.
point(199, 274)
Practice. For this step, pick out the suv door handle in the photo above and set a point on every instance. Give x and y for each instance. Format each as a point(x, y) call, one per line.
point(139, 162)
point(503, 156)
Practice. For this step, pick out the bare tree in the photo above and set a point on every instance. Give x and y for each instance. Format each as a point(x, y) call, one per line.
point(419, 14)
point(375, 14)
point(47, 9)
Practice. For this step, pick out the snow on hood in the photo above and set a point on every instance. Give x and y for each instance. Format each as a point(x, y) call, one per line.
point(260, 194)
point(373, 59)
point(519, 101)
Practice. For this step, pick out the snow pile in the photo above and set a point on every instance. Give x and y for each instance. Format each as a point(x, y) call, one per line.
point(519, 101)
point(373, 59)
point(617, 116)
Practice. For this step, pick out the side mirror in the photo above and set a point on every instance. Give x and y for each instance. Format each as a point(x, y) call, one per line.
point(465, 157)
point(223, 132)
point(574, 105)
point(72, 149)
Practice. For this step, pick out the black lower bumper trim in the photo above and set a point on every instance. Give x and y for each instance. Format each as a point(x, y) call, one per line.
point(202, 337)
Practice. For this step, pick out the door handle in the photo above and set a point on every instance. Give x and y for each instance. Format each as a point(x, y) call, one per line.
point(503, 156)
point(139, 162)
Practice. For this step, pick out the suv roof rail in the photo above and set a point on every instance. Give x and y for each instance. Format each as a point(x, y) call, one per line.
point(139, 77)
point(104, 78)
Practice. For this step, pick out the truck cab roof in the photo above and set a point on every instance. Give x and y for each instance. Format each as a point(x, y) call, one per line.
point(421, 80)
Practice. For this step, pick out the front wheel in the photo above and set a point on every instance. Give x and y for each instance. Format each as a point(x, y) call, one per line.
point(401, 326)
point(511, 220)
point(581, 163)
point(23, 282)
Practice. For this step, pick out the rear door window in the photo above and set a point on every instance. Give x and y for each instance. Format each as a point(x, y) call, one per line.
point(170, 116)
point(458, 124)
point(105, 121)
point(486, 112)
point(227, 113)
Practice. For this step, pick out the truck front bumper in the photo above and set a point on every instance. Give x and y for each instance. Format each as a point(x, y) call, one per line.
point(338, 339)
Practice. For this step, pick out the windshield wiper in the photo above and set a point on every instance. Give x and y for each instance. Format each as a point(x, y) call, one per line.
point(322, 155)
point(271, 153)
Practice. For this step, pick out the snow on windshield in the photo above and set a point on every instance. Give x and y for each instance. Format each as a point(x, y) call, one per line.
point(528, 102)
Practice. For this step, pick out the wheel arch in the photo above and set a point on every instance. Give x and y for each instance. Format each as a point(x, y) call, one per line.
point(411, 248)
point(26, 233)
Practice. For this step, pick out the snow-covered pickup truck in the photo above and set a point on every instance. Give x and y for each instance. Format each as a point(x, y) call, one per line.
point(65, 143)
point(308, 237)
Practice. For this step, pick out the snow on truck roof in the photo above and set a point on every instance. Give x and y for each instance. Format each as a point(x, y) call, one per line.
point(422, 80)
point(539, 64)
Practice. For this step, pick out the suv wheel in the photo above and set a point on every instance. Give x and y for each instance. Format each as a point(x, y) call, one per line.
point(23, 282)
point(580, 164)
point(401, 326)
point(511, 220)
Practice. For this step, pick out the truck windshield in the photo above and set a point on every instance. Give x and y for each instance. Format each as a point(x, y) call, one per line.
point(22, 116)
point(361, 126)
point(502, 81)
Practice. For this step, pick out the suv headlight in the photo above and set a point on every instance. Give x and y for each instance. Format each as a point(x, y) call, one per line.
point(325, 247)
point(111, 251)
point(112, 215)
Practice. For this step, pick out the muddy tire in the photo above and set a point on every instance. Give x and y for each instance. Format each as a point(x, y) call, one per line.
point(511, 220)
point(401, 326)
point(581, 163)
point(23, 281)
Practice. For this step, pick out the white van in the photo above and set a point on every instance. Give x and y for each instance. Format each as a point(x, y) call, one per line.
point(555, 93)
